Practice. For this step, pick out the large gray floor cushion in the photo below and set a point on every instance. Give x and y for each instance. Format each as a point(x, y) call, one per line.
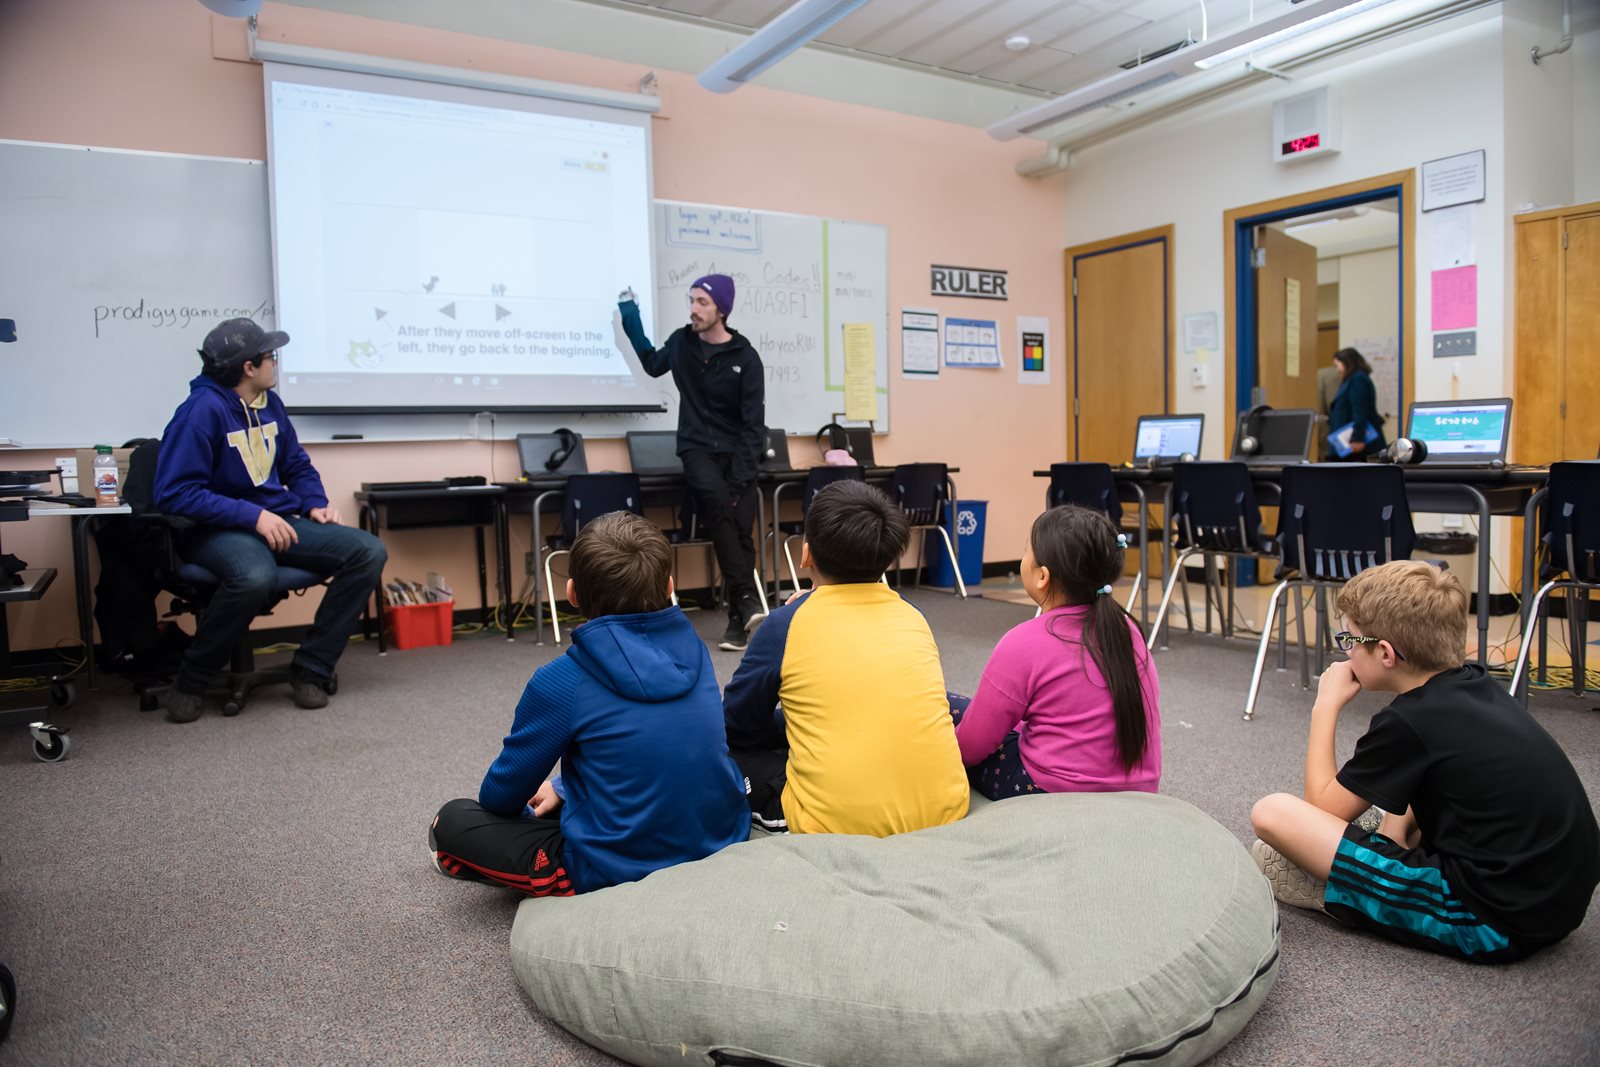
point(1070, 929)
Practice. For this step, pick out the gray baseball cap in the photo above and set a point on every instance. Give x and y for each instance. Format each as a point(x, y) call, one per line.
point(238, 341)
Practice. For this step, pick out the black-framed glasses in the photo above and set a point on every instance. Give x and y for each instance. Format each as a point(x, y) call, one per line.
point(266, 356)
point(1348, 640)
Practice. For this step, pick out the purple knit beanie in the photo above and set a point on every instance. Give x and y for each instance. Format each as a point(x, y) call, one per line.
point(719, 287)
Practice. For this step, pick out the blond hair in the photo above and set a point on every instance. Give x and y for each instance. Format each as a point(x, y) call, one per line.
point(1416, 607)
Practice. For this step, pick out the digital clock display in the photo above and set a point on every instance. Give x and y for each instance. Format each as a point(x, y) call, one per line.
point(1302, 144)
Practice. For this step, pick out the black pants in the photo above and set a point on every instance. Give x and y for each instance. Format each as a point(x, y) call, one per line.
point(766, 772)
point(729, 511)
point(524, 854)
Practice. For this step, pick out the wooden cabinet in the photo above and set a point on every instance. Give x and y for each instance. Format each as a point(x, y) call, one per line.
point(1557, 361)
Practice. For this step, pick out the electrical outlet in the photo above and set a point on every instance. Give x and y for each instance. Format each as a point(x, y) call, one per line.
point(68, 466)
point(1198, 376)
point(1453, 522)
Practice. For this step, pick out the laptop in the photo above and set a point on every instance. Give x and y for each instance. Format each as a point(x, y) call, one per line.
point(537, 451)
point(654, 452)
point(1283, 437)
point(1167, 438)
point(1461, 433)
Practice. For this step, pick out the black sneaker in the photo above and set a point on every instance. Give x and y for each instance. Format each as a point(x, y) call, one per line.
point(734, 639)
point(309, 689)
point(184, 706)
point(751, 614)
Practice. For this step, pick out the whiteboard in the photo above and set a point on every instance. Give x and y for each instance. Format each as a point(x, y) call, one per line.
point(798, 280)
point(117, 263)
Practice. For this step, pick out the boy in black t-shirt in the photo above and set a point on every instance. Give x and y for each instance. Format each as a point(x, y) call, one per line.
point(1489, 850)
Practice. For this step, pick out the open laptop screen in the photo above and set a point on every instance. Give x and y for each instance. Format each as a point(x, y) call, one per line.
point(1461, 431)
point(1167, 436)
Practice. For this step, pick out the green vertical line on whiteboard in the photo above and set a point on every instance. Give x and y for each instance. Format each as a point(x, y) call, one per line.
point(827, 322)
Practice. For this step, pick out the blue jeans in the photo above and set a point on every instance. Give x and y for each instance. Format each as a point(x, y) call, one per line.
point(248, 571)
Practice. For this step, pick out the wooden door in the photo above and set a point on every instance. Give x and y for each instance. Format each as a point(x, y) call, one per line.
point(1118, 293)
point(1581, 329)
point(1286, 339)
point(1536, 414)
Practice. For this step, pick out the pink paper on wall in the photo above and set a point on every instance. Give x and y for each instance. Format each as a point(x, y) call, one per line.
point(1455, 298)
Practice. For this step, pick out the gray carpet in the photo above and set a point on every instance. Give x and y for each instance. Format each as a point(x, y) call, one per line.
point(257, 889)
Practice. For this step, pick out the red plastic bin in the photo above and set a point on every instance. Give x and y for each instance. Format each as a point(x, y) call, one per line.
point(419, 625)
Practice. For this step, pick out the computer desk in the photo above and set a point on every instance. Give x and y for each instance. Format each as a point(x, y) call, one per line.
point(545, 488)
point(428, 507)
point(1431, 490)
point(83, 521)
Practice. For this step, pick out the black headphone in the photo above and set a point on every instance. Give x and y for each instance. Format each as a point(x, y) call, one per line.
point(1404, 450)
point(568, 444)
point(838, 437)
point(1249, 442)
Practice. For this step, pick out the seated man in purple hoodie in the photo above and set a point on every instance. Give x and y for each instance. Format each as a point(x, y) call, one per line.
point(231, 463)
point(633, 713)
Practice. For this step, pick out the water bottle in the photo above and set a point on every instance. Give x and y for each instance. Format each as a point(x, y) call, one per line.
point(106, 481)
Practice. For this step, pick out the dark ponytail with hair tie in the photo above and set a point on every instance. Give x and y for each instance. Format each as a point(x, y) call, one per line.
point(1083, 552)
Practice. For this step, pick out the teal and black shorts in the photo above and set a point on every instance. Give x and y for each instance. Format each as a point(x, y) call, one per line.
point(1401, 894)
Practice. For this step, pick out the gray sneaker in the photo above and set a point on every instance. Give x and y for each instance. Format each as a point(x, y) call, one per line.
point(184, 707)
point(1289, 883)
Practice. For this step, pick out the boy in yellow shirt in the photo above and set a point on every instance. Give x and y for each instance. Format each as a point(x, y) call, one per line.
point(838, 715)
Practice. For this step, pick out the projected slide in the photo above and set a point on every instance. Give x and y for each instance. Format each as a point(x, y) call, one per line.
point(436, 253)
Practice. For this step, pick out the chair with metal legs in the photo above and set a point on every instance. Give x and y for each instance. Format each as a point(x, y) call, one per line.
point(1090, 485)
point(588, 496)
point(923, 492)
point(1214, 514)
point(1570, 520)
point(817, 478)
point(1335, 521)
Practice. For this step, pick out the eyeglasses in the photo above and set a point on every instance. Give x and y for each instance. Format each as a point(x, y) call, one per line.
point(266, 356)
point(1348, 640)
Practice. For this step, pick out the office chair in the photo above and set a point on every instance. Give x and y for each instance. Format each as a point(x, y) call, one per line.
point(1570, 519)
point(192, 587)
point(1335, 521)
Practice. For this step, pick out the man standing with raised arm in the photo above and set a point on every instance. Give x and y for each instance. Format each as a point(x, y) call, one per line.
point(721, 432)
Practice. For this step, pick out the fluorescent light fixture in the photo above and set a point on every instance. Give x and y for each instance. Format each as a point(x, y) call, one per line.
point(1261, 38)
point(1302, 18)
point(790, 30)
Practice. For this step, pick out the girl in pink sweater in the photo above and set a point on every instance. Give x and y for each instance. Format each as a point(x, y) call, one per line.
point(1069, 701)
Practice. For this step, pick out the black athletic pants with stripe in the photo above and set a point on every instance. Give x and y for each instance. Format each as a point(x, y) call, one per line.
point(520, 853)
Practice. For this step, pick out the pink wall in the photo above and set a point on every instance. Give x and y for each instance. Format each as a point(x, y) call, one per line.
point(148, 75)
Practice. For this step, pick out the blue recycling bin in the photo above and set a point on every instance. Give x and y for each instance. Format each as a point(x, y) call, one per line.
point(970, 518)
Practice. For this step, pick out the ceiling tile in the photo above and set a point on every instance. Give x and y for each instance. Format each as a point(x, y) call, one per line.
point(986, 27)
point(868, 20)
point(753, 13)
point(930, 19)
point(1104, 29)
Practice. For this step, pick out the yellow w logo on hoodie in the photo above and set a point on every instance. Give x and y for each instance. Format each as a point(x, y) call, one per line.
point(258, 447)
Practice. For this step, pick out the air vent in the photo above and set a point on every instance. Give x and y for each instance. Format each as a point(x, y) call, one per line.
point(1147, 57)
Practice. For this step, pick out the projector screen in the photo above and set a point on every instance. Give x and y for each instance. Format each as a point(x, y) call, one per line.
point(439, 248)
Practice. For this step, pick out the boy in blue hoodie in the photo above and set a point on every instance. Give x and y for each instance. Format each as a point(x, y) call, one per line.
point(633, 713)
point(231, 463)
